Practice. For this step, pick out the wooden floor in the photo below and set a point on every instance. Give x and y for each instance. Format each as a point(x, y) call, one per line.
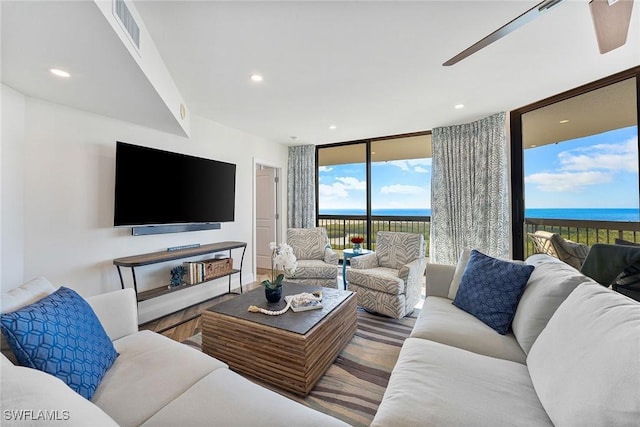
point(186, 328)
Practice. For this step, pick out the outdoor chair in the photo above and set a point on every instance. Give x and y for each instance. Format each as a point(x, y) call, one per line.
point(317, 263)
point(616, 265)
point(389, 280)
point(555, 245)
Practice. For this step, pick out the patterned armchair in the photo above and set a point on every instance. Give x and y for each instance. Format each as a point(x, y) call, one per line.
point(557, 246)
point(388, 281)
point(317, 263)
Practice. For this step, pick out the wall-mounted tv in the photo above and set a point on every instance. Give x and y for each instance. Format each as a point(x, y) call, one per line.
point(155, 187)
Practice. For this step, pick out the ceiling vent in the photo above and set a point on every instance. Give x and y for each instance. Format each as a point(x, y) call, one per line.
point(121, 11)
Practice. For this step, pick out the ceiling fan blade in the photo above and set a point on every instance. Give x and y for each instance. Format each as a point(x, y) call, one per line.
point(611, 20)
point(513, 25)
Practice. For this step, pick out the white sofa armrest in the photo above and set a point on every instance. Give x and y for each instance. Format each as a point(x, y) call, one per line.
point(438, 279)
point(117, 311)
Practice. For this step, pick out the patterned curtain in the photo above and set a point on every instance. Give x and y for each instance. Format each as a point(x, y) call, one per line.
point(301, 187)
point(470, 190)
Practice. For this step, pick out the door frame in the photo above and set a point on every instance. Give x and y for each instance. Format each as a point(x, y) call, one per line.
point(279, 208)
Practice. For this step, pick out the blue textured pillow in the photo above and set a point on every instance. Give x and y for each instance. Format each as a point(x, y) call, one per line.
point(491, 288)
point(61, 335)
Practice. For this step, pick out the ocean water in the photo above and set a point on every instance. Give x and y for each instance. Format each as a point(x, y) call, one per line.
point(592, 214)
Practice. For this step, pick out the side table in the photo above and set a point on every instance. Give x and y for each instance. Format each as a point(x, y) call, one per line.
point(346, 254)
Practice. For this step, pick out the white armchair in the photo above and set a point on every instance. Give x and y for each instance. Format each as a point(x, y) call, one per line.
point(388, 281)
point(317, 263)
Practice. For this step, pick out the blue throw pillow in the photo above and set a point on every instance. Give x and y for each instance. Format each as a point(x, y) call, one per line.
point(490, 289)
point(61, 335)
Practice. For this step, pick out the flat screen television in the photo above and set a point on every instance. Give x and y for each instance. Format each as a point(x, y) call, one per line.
point(155, 187)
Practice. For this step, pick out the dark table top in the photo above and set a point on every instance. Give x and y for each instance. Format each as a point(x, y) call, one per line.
point(300, 322)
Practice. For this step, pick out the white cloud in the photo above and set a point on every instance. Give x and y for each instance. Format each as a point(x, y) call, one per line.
point(324, 169)
point(335, 190)
point(402, 189)
point(340, 188)
point(351, 183)
point(567, 181)
point(420, 169)
point(607, 157)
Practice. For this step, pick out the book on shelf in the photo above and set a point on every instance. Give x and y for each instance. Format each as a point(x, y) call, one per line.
point(195, 272)
point(310, 305)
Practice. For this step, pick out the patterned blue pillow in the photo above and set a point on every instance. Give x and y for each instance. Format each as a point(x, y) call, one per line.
point(61, 335)
point(490, 289)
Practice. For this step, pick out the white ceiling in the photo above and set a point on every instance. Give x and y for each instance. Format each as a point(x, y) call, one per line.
point(371, 68)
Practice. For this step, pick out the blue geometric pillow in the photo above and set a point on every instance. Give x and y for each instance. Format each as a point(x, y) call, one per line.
point(61, 335)
point(490, 289)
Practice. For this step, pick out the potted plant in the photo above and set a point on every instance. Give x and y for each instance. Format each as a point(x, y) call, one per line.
point(357, 243)
point(281, 256)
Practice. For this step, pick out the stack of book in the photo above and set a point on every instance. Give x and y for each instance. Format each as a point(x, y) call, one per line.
point(195, 272)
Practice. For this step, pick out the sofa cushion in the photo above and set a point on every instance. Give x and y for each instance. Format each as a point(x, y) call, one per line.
point(151, 371)
point(441, 321)
point(490, 289)
point(61, 335)
point(380, 279)
point(16, 298)
point(314, 269)
point(395, 249)
point(584, 365)
point(224, 398)
point(434, 384)
point(32, 397)
point(308, 243)
point(548, 286)
point(457, 275)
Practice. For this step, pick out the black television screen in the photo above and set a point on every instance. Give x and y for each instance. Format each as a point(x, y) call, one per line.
point(156, 187)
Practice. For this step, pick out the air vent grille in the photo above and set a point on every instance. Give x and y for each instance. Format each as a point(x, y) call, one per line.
point(127, 21)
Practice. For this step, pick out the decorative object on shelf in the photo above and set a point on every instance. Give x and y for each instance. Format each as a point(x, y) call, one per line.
point(281, 256)
point(300, 302)
point(177, 274)
point(357, 244)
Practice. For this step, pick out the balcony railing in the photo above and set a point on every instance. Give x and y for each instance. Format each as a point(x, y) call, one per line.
point(340, 229)
point(582, 231)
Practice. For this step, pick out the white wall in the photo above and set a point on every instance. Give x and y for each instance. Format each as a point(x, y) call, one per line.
point(68, 171)
point(11, 183)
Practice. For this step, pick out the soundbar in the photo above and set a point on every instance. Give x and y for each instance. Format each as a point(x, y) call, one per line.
point(177, 228)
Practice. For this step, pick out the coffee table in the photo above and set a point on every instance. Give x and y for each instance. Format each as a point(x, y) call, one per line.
point(291, 351)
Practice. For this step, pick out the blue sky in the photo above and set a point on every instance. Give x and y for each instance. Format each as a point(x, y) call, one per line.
point(599, 171)
point(396, 184)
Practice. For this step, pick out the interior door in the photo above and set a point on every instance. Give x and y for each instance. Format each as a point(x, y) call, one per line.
point(265, 214)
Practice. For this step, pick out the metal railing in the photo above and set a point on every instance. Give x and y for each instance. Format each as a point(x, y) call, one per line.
point(582, 231)
point(341, 228)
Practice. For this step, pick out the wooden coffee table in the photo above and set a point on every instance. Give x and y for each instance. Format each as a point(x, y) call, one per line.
point(291, 351)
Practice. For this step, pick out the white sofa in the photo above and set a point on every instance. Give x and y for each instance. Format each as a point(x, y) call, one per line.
point(571, 359)
point(154, 381)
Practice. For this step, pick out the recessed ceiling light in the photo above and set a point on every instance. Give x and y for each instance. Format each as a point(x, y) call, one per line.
point(332, 127)
point(59, 73)
point(533, 145)
point(256, 77)
point(458, 106)
point(373, 152)
point(564, 121)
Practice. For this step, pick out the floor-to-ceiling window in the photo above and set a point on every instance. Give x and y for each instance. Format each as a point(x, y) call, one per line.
point(576, 173)
point(373, 185)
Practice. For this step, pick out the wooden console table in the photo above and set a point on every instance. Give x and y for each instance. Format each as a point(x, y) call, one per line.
point(164, 256)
